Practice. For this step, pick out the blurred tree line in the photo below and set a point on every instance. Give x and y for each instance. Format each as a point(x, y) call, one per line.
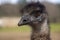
point(12, 10)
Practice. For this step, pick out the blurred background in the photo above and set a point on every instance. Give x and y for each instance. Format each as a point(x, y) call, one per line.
point(10, 16)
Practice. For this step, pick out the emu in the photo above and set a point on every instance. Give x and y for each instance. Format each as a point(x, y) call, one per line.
point(35, 15)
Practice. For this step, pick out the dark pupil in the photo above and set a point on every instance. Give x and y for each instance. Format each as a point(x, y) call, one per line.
point(35, 13)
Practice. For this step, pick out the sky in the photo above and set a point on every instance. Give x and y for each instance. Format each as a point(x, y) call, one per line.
point(9, 1)
point(15, 1)
point(54, 1)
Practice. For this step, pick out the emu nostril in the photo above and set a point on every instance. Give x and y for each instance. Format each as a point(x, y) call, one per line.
point(24, 20)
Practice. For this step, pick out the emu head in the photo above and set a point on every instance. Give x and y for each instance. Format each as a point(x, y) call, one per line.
point(32, 13)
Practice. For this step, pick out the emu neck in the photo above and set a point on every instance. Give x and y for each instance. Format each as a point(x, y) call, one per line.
point(40, 26)
point(40, 31)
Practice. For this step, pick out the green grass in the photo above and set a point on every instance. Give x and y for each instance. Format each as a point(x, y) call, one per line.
point(15, 29)
point(55, 27)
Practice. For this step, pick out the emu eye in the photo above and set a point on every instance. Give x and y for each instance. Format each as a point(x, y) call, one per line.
point(35, 13)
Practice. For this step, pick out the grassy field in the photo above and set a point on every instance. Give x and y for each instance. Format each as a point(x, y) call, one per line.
point(23, 32)
point(55, 27)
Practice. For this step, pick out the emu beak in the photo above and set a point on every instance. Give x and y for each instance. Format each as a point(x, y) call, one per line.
point(22, 22)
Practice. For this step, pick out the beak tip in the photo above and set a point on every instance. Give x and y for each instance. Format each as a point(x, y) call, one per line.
point(18, 24)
